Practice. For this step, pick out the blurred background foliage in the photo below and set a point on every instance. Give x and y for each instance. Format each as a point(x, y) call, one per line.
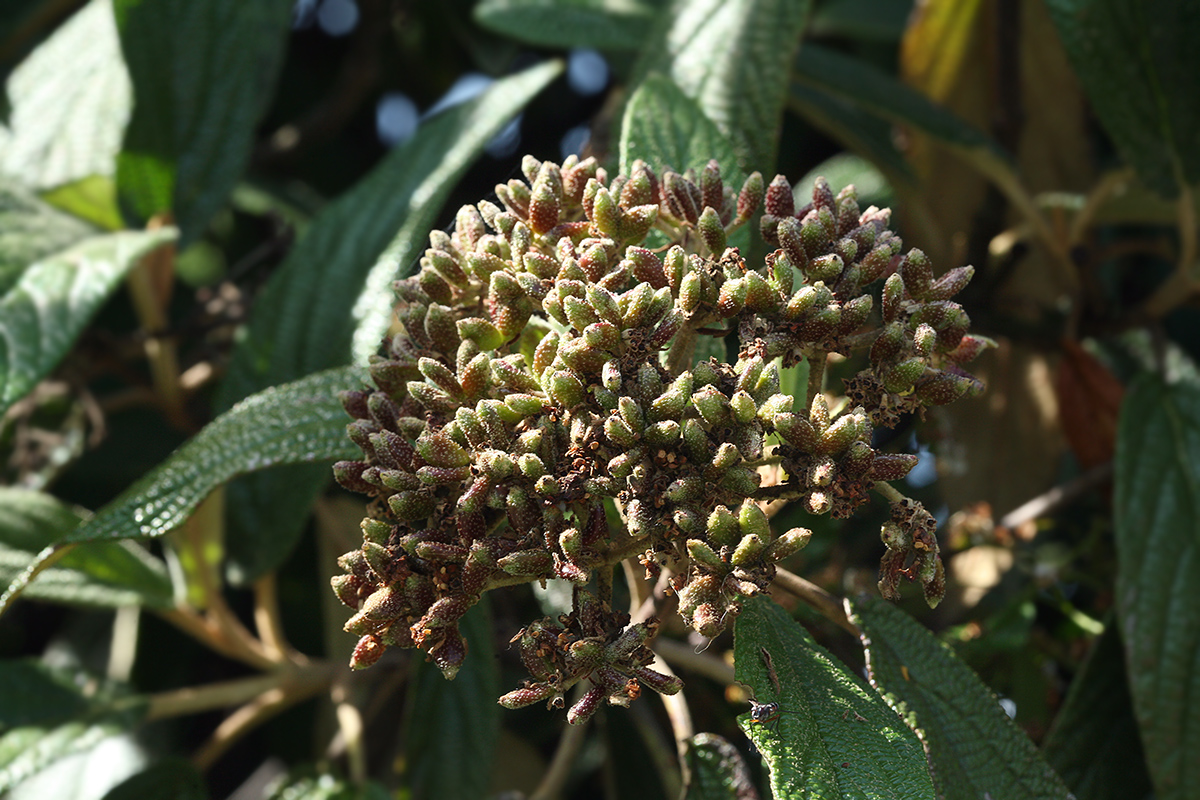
point(1019, 137)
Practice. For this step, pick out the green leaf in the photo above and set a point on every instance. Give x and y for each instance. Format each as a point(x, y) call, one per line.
point(306, 784)
point(1139, 65)
point(733, 57)
point(55, 298)
point(70, 101)
point(202, 75)
point(602, 24)
point(1157, 510)
point(1094, 743)
point(331, 300)
point(107, 574)
point(718, 770)
point(93, 199)
point(23, 25)
point(30, 230)
point(452, 727)
point(975, 749)
point(294, 423)
point(664, 127)
point(834, 737)
point(51, 714)
point(169, 779)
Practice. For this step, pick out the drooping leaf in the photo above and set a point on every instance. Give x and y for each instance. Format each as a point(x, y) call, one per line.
point(1094, 742)
point(732, 57)
point(1138, 63)
point(974, 748)
point(24, 24)
point(30, 230)
point(294, 423)
point(600, 24)
point(834, 737)
point(1157, 510)
point(718, 770)
point(108, 574)
point(202, 75)
point(455, 722)
point(55, 298)
point(169, 779)
point(47, 715)
point(331, 299)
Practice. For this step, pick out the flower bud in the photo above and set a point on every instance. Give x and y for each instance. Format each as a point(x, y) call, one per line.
point(748, 551)
point(950, 284)
point(752, 520)
point(565, 388)
point(917, 273)
point(891, 466)
point(750, 196)
point(712, 232)
point(780, 202)
point(787, 545)
point(366, 652)
point(682, 198)
point(704, 555)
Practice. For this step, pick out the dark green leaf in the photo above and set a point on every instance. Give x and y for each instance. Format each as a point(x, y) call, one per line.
point(1140, 67)
point(602, 24)
point(307, 784)
point(718, 770)
point(1094, 743)
point(202, 75)
point(294, 423)
point(1157, 512)
point(31, 230)
point(49, 714)
point(834, 737)
point(975, 749)
point(55, 298)
point(97, 573)
point(452, 727)
point(169, 779)
point(666, 128)
point(732, 57)
point(332, 299)
point(70, 101)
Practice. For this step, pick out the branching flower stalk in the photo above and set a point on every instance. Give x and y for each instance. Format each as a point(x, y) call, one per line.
point(545, 376)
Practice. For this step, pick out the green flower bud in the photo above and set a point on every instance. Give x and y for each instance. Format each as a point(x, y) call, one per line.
point(441, 328)
point(441, 376)
point(378, 558)
point(440, 450)
point(670, 404)
point(578, 312)
point(674, 266)
point(604, 304)
point(855, 314)
point(722, 527)
point(712, 405)
point(712, 232)
point(749, 371)
point(663, 434)
point(443, 476)
point(917, 274)
point(732, 297)
point(602, 336)
point(702, 554)
point(901, 378)
point(787, 545)
point(526, 405)
point(743, 407)
point(480, 331)
point(410, 506)
point(636, 302)
point(565, 388)
point(619, 432)
point(741, 481)
point(750, 196)
point(690, 294)
point(621, 466)
point(748, 551)
point(773, 406)
point(752, 520)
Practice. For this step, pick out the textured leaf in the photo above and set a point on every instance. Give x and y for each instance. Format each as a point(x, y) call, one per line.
point(297, 422)
point(331, 299)
point(55, 298)
point(70, 101)
point(93, 199)
point(88, 772)
point(601, 24)
point(202, 75)
point(834, 737)
point(169, 779)
point(23, 25)
point(1094, 743)
point(1139, 65)
point(1158, 553)
point(718, 770)
point(455, 723)
point(50, 714)
point(30, 230)
point(98, 573)
point(732, 57)
point(664, 127)
point(975, 749)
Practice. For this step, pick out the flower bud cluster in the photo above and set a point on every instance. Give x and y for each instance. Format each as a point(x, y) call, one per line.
point(545, 369)
point(594, 643)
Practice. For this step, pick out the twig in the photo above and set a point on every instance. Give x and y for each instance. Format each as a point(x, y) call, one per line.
point(268, 623)
point(684, 657)
point(681, 720)
point(822, 601)
point(194, 699)
point(1049, 501)
point(224, 639)
point(816, 378)
point(569, 745)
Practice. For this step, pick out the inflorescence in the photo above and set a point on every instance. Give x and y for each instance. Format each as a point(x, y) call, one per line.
point(546, 377)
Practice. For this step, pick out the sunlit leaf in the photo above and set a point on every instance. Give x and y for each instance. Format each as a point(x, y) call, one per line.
point(974, 748)
point(31, 230)
point(664, 127)
point(70, 101)
point(331, 300)
point(732, 57)
point(601, 24)
point(308, 785)
point(202, 75)
point(834, 737)
point(52, 301)
point(169, 779)
point(1157, 509)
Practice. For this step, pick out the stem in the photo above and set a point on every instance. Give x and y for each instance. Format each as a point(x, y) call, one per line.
point(193, 700)
point(569, 745)
point(816, 378)
point(682, 349)
point(683, 656)
point(891, 493)
point(221, 637)
point(822, 601)
point(267, 620)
